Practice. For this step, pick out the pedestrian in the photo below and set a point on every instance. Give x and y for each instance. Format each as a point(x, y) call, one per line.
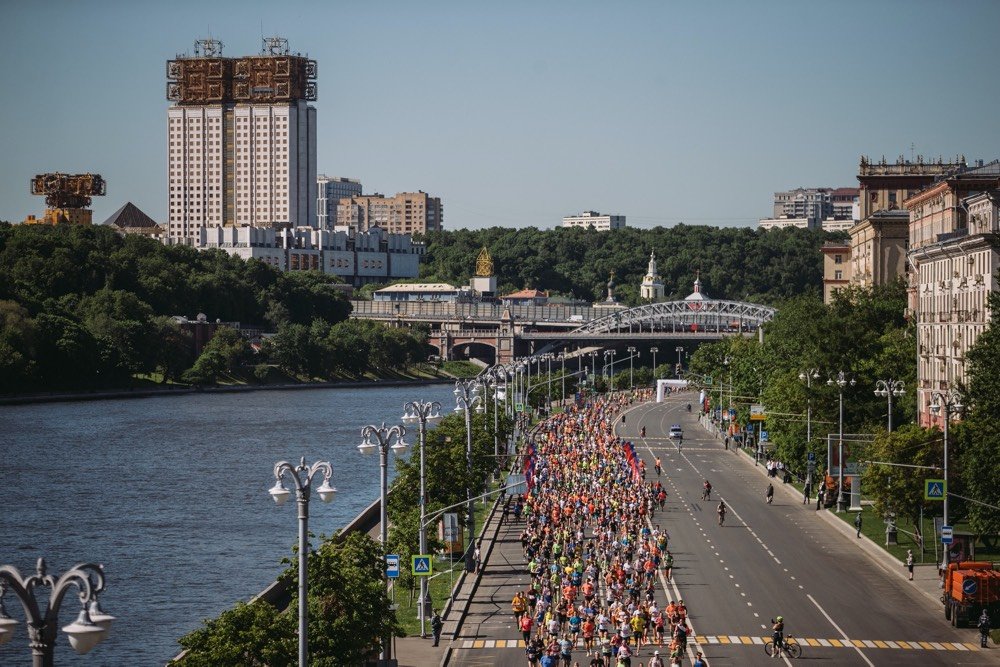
point(857, 523)
point(984, 628)
point(909, 562)
point(727, 442)
point(436, 625)
point(819, 498)
point(806, 492)
point(699, 660)
point(478, 558)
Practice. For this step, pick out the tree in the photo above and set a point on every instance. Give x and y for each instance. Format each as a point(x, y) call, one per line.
point(891, 483)
point(255, 634)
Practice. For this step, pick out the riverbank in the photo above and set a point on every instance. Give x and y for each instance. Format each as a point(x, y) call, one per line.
point(175, 390)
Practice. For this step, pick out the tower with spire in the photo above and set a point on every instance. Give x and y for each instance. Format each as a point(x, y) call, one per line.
point(651, 288)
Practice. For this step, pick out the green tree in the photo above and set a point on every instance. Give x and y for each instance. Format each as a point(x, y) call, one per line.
point(255, 634)
point(891, 483)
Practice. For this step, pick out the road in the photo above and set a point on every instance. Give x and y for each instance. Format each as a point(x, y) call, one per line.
point(767, 560)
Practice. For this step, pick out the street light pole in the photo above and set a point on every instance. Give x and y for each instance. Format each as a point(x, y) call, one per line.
point(841, 381)
point(680, 363)
point(808, 376)
point(562, 393)
point(952, 402)
point(611, 354)
point(593, 364)
point(466, 396)
point(280, 494)
point(385, 438)
point(89, 628)
point(631, 355)
point(654, 350)
point(422, 412)
point(548, 384)
point(889, 388)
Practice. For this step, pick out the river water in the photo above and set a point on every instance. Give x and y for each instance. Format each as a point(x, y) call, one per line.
point(170, 495)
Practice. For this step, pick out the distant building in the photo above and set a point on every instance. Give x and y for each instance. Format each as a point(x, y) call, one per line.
point(421, 292)
point(241, 140)
point(836, 268)
point(598, 221)
point(651, 288)
point(330, 190)
point(130, 220)
point(405, 213)
point(831, 209)
point(525, 297)
point(372, 256)
point(878, 248)
point(785, 223)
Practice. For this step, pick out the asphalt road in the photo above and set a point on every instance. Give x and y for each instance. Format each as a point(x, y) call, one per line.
point(767, 560)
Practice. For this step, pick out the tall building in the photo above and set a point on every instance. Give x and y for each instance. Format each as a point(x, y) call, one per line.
point(241, 140)
point(831, 209)
point(404, 213)
point(954, 259)
point(331, 189)
point(598, 221)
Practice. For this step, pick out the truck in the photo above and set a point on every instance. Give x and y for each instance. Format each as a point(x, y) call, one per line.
point(970, 587)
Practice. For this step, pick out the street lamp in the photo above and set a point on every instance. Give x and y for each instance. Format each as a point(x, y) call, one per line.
point(466, 397)
point(422, 412)
point(888, 389)
point(680, 363)
point(89, 628)
point(562, 393)
point(631, 355)
point(808, 376)
point(841, 381)
point(548, 383)
point(610, 354)
point(952, 403)
point(385, 438)
point(302, 489)
point(593, 364)
point(654, 350)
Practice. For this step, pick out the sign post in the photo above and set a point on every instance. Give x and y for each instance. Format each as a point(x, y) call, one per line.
point(935, 489)
point(421, 566)
point(946, 535)
point(392, 566)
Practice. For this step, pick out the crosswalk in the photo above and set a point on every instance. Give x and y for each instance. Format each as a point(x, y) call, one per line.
point(750, 640)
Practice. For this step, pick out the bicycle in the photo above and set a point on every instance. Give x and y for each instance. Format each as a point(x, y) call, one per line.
point(789, 646)
point(722, 518)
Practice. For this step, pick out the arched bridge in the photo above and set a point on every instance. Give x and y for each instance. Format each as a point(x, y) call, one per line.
point(472, 329)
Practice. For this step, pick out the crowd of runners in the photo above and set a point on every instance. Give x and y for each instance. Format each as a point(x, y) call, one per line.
point(593, 549)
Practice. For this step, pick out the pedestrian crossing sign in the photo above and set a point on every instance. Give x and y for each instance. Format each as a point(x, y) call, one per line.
point(935, 489)
point(421, 566)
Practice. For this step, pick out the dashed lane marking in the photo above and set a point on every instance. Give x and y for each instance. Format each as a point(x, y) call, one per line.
point(746, 640)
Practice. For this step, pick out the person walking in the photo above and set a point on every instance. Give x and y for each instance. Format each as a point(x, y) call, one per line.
point(857, 523)
point(984, 628)
point(436, 625)
point(806, 492)
point(769, 494)
point(909, 562)
point(699, 660)
point(819, 498)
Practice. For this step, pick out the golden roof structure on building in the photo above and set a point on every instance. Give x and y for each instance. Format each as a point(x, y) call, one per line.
point(484, 264)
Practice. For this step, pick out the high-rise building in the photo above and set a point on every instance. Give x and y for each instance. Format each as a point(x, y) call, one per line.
point(241, 138)
point(831, 209)
point(331, 190)
point(598, 221)
point(405, 213)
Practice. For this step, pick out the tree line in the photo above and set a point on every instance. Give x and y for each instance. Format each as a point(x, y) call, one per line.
point(734, 263)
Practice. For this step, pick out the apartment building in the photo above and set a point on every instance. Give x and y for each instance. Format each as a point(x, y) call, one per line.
point(405, 213)
point(599, 221)
point(330, 190)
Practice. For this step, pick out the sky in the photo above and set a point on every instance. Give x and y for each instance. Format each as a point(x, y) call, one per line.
point(517, 113)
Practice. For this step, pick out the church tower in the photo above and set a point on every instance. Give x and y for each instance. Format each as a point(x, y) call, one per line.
point(651, 289)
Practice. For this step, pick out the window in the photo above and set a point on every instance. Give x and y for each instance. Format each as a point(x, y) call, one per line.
point(838, 259)
point(838, 275)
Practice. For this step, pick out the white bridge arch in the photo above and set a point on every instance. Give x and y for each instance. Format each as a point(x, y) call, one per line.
point(701, 316)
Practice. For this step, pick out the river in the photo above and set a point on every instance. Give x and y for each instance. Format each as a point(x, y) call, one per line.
point(170, 494)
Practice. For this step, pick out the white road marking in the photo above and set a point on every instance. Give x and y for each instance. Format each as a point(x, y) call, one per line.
point(842, 633)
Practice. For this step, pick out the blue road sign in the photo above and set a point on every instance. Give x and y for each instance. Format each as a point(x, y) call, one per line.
point(969, 586)
point(392, 566)
point(946, 534)
point(763, 436)
point(934, 489)
point(811, 456)
point(421, 566)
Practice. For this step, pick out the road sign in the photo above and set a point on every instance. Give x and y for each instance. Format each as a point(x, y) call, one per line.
point(392, 565)
point(421, 566)
point(935, 489)
point(708, 379)
point(811, 456)
point(519, 407)
point(946, 535)
point(757, 413)
point(763, 436)
point(969, 586)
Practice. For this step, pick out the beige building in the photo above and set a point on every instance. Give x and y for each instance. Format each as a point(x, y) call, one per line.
point(405, 213)
point(883, 186)
point(952, 229)
point(836, 268)
point(878, 248)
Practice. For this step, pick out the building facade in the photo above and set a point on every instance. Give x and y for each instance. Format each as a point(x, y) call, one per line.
point(836, 268)
point(241, 140)
point(953, 257)
point(330, 190)
point(598, 221)
point(651, 288)
point(830, 209)
point(404, 213)
point(878, 248)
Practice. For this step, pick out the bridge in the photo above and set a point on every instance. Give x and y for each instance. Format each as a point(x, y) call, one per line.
point(498, 333)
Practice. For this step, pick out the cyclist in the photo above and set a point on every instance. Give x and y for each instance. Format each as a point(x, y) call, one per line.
point(769, 494)
point(706, 493)
point(778, 635)
point(722, 512)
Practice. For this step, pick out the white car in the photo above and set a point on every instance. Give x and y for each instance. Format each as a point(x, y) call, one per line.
point(676, 432)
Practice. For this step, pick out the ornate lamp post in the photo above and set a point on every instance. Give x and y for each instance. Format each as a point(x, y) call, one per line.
point(593, 364)
point(89, 628)
point(841, 381)
point(610, 354)
point(889, 388)
point(631, 356)
point(562, 394)
point(422, 412)
point(654, 350)
point(808, 376)
point(383, 439)
point(466, 397)
point(302, 475)
point(951, 401)
point(680, 359)
point(548, 382)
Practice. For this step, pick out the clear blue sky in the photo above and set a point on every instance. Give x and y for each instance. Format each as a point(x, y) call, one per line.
point(517, 113)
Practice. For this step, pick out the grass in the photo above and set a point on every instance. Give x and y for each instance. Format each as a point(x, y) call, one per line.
point(462, 369)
